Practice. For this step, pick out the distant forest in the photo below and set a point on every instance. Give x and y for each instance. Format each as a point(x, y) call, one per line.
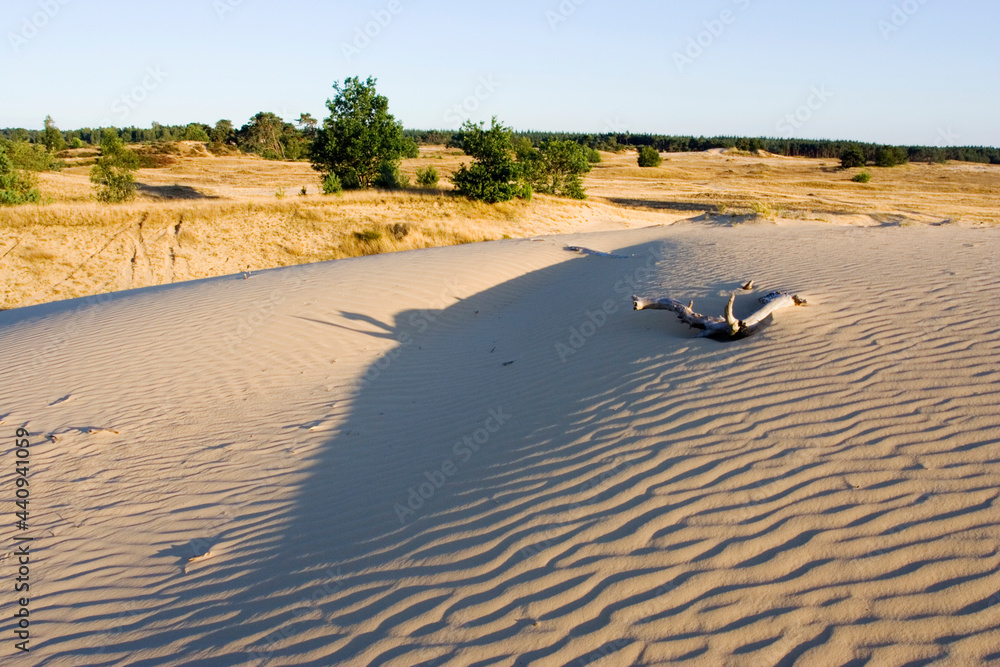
point(814, 148)
point(268, 135)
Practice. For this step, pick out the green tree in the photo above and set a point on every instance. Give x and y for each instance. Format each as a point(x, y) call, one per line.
point(16, 187)
point(223, 132)
point(889, 156)
point(530, 162)
point(564, 164)
point(159, 132)
point(52, 138)
point(308, 125)
point(196, 132)
point(114, 174)
point(359, 136)
point(493, 176)
point(853, 156)
point(649, 157)
point(262, 135)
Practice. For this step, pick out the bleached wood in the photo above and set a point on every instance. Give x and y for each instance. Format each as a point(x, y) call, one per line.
point(727, 326)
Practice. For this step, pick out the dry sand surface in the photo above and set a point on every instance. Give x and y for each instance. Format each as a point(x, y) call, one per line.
point(479, 455)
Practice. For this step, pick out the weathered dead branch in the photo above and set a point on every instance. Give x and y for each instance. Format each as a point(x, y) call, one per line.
point(727, 327)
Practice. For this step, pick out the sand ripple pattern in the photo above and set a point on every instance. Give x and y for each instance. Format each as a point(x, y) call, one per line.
point(824, 493)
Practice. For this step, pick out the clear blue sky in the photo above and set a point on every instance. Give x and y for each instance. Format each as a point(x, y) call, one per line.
point(926, 72)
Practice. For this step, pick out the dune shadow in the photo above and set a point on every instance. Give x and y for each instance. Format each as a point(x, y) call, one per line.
point(657, 204)
point(447, 470)
point(172, 192)
point(445, 483)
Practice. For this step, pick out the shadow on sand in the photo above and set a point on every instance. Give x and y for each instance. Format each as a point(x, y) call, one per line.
point(428, 501)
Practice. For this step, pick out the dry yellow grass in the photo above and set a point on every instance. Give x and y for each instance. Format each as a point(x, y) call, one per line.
point(713, 182)
point(202, 215)
point(67, 250)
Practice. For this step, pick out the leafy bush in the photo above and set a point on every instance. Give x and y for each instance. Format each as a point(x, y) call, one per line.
point(114, 174)
point(368, 235)
point(391, 178)
point(853, 156)
point(359, 136)
point(593, 157)
point(76, 143)
point(493, 176)
point(30, 157)
point(649, 157)
point(863, 177)
point(427, 177)
point(332, 185)
point(399, 230)
point(410, 148)
point(15, 187)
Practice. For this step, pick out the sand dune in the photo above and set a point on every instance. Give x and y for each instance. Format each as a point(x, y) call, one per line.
point(479, 455)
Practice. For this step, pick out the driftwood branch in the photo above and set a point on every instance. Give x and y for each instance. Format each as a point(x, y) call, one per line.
point(727, 327)
point(598, 253)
